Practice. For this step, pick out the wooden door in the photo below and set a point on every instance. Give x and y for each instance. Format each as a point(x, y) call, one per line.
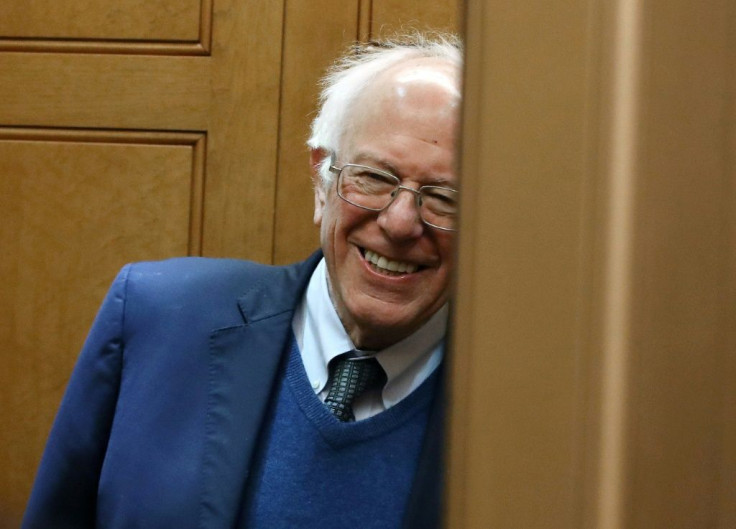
point(144, 129)
point(594, 359)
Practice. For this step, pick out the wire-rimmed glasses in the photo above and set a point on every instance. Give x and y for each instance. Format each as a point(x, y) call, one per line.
point(375, 190)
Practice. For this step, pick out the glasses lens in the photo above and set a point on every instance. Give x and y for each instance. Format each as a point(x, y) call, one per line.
point(366, 187)
point(439, 206)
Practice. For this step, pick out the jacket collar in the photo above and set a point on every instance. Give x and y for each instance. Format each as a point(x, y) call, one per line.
point(277, 290)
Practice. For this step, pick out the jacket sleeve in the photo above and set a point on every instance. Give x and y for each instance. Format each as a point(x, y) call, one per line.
point(65, 491)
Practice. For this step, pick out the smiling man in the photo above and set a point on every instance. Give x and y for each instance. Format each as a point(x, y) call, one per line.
point(222, 393)
point(388, 268)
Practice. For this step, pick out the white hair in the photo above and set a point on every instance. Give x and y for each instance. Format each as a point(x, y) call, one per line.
point(354, 72)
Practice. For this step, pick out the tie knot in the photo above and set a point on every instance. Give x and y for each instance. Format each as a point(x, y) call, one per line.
point(351, 377)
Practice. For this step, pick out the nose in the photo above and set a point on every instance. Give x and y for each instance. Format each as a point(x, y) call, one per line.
point(400, 220)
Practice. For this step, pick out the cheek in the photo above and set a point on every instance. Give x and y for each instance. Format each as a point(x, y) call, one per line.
point(326, 220)
point(446, 247)
point(339, 221)
point(447, 251)
point(331, 236)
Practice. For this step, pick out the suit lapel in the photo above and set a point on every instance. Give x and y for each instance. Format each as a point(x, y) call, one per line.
point(243, 366)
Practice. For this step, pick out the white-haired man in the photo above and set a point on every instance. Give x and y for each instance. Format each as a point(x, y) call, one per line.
point(222, 393)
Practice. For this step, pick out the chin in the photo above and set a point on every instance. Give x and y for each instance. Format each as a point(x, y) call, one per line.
point(385, 321)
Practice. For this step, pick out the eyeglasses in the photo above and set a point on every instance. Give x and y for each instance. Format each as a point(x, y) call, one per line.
point(375, 190)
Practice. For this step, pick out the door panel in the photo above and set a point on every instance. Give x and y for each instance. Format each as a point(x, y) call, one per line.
point(105, 91)
point(389, 16)
point(74, 205)
point(595, 324)
point(167, 20)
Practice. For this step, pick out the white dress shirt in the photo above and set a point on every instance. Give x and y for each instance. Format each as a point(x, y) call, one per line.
point(321, 337)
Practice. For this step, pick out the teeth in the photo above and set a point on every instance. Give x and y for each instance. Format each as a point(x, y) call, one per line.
point(392, 266)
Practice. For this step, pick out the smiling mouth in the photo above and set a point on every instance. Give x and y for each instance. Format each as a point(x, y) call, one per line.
point(386, 266)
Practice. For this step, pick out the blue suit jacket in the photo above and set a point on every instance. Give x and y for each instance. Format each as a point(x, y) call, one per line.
point(161, 417)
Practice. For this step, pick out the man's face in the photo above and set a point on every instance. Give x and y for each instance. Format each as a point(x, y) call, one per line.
point(404, 124)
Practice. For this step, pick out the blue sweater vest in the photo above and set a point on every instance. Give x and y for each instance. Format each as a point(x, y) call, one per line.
point(313, 471)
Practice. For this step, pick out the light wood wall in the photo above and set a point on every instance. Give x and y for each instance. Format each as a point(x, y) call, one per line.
point(594, 351)
point(141, 130)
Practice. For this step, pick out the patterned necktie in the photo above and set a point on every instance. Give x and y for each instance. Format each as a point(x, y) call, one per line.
point(351, 377)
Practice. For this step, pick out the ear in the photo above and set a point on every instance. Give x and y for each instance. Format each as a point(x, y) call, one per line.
point(316, 157)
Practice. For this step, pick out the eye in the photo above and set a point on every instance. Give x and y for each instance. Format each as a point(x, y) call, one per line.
point(440, 200)
point(368, 180)
point(443, 195)
point(374, 178)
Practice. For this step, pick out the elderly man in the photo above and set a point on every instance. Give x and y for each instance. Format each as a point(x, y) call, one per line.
point(221, 393)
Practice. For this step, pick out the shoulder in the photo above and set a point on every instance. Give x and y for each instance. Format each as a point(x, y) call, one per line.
point(196, 271)
point(190, 293)
point(208, 282)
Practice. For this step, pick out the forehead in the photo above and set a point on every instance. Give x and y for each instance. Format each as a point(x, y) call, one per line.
point(416, 85)
point(406, 121)
point(420, 75)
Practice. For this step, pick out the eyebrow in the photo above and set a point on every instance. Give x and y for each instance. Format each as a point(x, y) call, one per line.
point(380, 163)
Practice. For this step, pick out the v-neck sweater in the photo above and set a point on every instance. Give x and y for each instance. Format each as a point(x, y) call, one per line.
point(312, 470)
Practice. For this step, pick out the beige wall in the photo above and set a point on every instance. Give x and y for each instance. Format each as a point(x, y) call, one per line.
point(595, 325)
